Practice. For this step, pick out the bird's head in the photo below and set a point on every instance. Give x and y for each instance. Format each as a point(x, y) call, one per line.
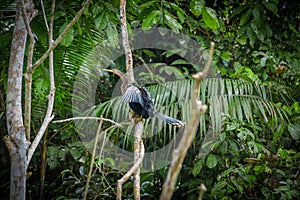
point(118, 73)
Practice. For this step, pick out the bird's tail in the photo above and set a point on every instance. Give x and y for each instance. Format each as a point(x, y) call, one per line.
point(169, 120)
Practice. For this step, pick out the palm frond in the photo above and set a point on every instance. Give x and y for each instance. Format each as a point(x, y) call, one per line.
point(241, 100)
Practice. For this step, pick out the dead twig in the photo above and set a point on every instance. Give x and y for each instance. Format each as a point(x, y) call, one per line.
point(92, 160)
point(188, 135)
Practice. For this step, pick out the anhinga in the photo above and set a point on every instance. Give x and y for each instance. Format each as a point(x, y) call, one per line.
point(139, 100)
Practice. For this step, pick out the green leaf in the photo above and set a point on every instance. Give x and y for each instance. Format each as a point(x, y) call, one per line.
point(181, 16)
point(263, 61)
point(257, 14)
point(271, 7)
point(147, 4)
point(112, 34)
point(151, 19)
point(210, 18)
point(294, 130)
point(211, 161)
point(180, 62)
point(217, 187)
point(226, 56)
point(171, 70)
point(101, 21)
point(111, 161)
point(197, 6)
point(68, 38)
point(179, 11)
point(222, 136)
point(172, 23)
point(197, 167)
point(236, 184)
point(245, 17)
point(242, 40)
point(239, 10)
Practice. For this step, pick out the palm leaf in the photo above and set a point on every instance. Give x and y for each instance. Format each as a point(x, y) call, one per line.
point(241, 100)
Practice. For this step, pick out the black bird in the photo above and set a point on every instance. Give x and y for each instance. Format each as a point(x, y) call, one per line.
point(140, 102)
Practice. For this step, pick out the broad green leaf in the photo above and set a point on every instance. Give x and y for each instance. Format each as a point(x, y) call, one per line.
point(180, 12)
point(211, 161)
point(239, 10)
point(226, 56)
point(210, 18)
point(263, 61)
point(294, 130)
point(245, 17)
point(257, 15)
point(242, 40)
point(172, 23)
point(147, 4)
point(180, 62)
point(197, 167)
point(271, 7)
point(101, 21)
point(112, 34)
point(172, 52)
point(151, 19)
point(181, 16)
point(171, 70)
point(111, 161)
point(197, 6)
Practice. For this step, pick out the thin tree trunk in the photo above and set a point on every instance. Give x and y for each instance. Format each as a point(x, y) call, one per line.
point(16, 138)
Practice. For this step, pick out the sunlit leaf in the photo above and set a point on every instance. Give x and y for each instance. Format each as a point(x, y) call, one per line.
point(151, 20)
point(197, 6)
point(211, 161)
point(210, 18)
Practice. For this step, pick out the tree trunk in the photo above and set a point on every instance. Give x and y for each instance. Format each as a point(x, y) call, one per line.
point(16, 138)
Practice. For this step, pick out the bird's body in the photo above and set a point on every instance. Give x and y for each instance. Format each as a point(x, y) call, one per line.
point(140, 102)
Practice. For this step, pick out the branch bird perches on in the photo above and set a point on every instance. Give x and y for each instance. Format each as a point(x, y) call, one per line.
point(140, 102)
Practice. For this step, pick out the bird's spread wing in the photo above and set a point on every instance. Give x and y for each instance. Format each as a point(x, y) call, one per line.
point(146, 98)
point(133, 95)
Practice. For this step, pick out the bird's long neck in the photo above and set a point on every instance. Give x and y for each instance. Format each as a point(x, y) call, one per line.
point(124, 80)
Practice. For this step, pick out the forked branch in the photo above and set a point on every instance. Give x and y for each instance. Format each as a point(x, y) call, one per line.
point(30, 69)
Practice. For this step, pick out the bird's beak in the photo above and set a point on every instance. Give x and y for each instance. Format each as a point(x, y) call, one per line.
point(109, 70)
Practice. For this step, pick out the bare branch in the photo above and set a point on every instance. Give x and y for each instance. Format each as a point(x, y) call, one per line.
point(188, 135)
point(49, 116)
point(202, 189)
point(44, 15)
point(139, 128)
point(133, 169)
point(128, 53)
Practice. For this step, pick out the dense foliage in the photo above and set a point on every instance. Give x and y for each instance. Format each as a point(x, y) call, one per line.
point(254, 154)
